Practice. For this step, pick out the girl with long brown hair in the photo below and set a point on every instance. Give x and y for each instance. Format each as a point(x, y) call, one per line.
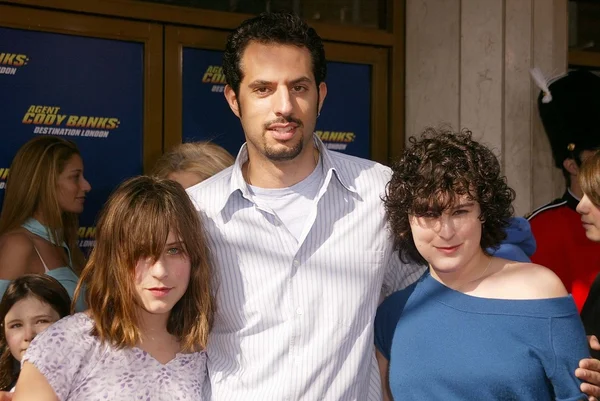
point(45, 193)
point(150, 307)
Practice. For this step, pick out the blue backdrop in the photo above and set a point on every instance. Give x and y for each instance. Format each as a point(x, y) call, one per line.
point(87, 90)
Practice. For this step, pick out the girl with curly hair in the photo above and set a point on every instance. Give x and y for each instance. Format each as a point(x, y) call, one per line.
point(474, 326)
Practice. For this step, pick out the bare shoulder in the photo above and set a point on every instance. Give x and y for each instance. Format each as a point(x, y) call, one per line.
point(16, 249)
point(531, 281)
point(18, 241)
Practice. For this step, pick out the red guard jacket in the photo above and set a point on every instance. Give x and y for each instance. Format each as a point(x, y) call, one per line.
point(563, 247)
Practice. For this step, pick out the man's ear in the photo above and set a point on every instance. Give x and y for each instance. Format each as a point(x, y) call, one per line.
point(571, 166)
point(322, 94)
point(232, 100)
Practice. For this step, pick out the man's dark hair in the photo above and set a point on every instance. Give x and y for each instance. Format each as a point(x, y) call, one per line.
point(277, 27)
point(432, 173)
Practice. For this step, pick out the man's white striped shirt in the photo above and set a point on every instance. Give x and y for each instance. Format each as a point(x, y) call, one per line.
point(295, 318)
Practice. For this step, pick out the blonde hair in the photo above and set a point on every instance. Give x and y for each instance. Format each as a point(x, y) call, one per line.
point(134, 224)
point(32, 187)
point(202, 158)
point(589, 177)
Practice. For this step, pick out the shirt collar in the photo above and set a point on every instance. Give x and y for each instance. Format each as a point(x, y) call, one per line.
point(572, 200)
point(238, 184)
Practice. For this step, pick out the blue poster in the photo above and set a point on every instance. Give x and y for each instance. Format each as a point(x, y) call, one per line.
point(86, 90)
point(345, 121)
point(206, 114)
point(344, 124)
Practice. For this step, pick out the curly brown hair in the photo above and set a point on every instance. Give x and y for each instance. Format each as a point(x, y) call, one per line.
point(436, 169)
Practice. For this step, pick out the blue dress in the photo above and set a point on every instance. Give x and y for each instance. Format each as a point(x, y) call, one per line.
point(446, 345)
point(64, 275)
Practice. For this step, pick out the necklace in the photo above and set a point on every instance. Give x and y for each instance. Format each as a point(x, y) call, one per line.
point(478, 277)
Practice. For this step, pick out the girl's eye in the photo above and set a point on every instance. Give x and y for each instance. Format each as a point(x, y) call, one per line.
point(42, 321)
point(15, 326)
point(173, 251)
point(460, 211)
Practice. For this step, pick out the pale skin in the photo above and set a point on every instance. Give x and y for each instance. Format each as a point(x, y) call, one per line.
point(277, 104)
point(159, 285)
point(590, 218)
point(27, 318)
point(450, 244)
point(17, 248)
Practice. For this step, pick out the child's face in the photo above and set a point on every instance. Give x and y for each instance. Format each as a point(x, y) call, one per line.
point(26, 319)
point(161, 285)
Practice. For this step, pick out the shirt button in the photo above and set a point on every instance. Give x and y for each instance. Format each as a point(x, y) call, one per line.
point(296, 262)
point(299, 311)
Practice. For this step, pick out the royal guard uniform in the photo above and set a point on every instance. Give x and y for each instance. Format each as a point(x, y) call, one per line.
point(570, 111)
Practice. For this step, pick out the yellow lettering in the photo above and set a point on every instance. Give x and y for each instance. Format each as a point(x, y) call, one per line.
point(72, 121)
point(28, 118)
point(112, 123)
point(20, 60)
point(92, 122)
point(90, 232)
point(81, 122)
point(8, 59)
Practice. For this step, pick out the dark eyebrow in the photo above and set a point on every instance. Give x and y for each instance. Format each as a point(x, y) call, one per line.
point(174, 243)
point(462, 205)
point(259, 82)
point(33, 317)
point(43, 315)
point(301, 80)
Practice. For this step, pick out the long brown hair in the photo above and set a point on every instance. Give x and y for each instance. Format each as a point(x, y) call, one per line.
point(32, 186)
point(40, 286)
point(589, 177)
point(205, 159)
point(134, 224)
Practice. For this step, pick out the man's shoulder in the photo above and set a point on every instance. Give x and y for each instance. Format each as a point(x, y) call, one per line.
point(353, 168)
point(213, 191)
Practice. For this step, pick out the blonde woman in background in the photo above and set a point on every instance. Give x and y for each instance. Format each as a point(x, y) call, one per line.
point(191, 163)
point(45, 193)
